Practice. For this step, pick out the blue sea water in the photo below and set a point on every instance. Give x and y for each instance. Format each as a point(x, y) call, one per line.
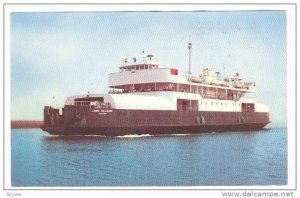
point(222, 159)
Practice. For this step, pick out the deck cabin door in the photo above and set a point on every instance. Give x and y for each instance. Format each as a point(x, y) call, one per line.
point(125, 117)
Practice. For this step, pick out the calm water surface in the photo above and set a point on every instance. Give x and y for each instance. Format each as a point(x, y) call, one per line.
point(225, 159)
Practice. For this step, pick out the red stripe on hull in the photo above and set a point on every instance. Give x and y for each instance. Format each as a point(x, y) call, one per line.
point(153, 130)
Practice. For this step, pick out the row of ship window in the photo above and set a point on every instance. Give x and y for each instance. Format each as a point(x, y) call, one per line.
point(137, 67)
point(216, 103)
point(206, 92)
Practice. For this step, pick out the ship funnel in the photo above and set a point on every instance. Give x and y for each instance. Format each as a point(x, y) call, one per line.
point(150, 57)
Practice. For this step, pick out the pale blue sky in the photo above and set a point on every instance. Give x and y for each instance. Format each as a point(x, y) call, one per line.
point(54, 55)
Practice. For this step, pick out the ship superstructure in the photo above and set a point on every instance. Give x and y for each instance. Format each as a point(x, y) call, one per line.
point(145, 98)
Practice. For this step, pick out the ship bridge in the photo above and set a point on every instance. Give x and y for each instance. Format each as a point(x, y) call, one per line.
point(144, 64)
point(143, 76)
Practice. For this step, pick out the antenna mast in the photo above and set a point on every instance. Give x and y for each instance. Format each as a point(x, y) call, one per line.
point(143, 54)
point(190, 58)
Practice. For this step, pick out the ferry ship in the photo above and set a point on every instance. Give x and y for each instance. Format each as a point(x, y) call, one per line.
point(145, 98)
